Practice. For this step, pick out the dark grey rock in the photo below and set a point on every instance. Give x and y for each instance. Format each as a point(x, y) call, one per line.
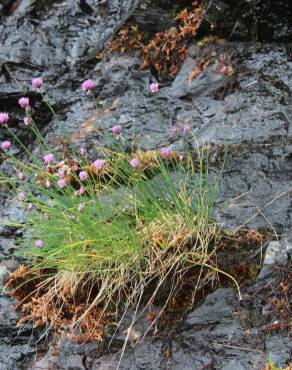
point(16, 346)
point(217, 306)
point(3, 275)
point(278, 252)
point(244, 19)
point(205, 83)
point(280, 349)
point(7, 246)
point(251, 113)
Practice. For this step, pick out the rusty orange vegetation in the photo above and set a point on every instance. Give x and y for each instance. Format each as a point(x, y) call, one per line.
point(166, 50)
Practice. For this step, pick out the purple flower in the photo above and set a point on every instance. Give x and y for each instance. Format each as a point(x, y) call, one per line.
point(81, 191)
point(61, 172)
point(81, 207)
point(99, 164)
point(39, 243)
point(4, 118)
point(83, 175)
point(26, 121)
point(116, 130)
point(49, 158)
point(62, 183)
point(186, 130)
point(134, 162)
point(21, 176)
point(6, 145)
point(88, 85)
point(154, 87)
point(23, 102)
point(48, 184)
point(37, 83)
point(164, 152)
point(21, 196)
point(82, 151)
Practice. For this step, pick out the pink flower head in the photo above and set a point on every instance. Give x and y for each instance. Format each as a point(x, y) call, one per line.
point(164, 152)
point(39, 243)
point(62, 183)
point(154, 87)
point(30, 206)
point(6, 145)
point(186, 130)
point(4, 118)
point(81, 207)
point(83, 175)
point(82, 151)
point(116, 130)
point(48, 184)
point(134, 162)
point(23, 102)
point(26, 121)
point(21, 196)
point(63, 170)
point(49, 158)
point(81, 191)
point(74, 164)
point(37, 83)
point(88, 85)
point(99, 164)
point(21, 175)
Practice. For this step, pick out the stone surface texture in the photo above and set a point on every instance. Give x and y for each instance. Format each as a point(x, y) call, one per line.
point(251, 112)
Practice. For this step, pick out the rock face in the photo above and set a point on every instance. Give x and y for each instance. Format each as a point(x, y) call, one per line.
point(243, 19)
point(56, 39)
point(250, 112)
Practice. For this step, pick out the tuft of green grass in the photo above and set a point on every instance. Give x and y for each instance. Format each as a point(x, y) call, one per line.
point(134, 233)
point(137, 228)
point(272, 366)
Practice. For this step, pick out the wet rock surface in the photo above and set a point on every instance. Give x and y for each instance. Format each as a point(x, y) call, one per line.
point(250, 112)
point(260, 20)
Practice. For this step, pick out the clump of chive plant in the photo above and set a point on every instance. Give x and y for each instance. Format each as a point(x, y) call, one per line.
point(103, 233)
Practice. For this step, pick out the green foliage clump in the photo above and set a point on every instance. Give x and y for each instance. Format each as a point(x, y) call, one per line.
point(111, 233)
